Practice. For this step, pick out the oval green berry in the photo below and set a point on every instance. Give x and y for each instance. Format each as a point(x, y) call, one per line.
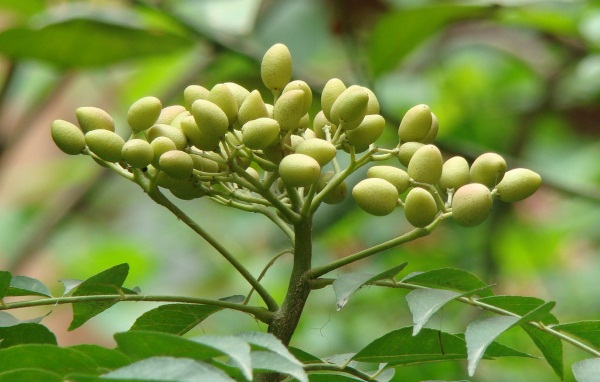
point(488, 169)
point(331, 91)
point(68, 137)
point(204, 164)
point(320, 122)
point(301, 85)
point(197, 137)
point(239, 92)
point(289, 109)
point(471, 204)
point(173, 133)
point(143, 113)
point(169, 113)
point(455, 173)
point(137, 152)
point(93, 118)
point(426, 165)
point(369, 130)
point(193, 93)
point(337, 194)
point(373, 105)
point(350, 107)
point(210, 118)
point(177, 164)
point(106, 144)
point(415, 124)
point(260, 133)
point(276, 68)
point(433, 131)
point(396, 176)
point(376, 196)
point(518, 184)
point(420, 208)
point(299, 170)
point(222, 96)
point(319, 149)
point(253, 107)
point(407, 150)
point(161, 145)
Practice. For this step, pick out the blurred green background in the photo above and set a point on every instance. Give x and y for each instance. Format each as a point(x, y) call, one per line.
point(521, 78)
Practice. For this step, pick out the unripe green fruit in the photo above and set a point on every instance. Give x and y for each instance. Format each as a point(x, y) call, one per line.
point(331, 91)
point(173, 133)
point(252, 108)
point(181, 188)
point(308, 134)
point(301, 85)
point(426, 165)
point(193, 93)
point(471, 204)
point(289, 109)
point(294, 141)
point(168, 114)
point(260, 133)
point(320, 122)
point(407, 150)
point(376, 196)
point(270, 110)
point(518, 184)
point(396, 176)
point(488, 169)
point(92, 118)
point(106, 144)
point(253, 173)
point(161, 145)
point(143, 113)
point(176, 122)
point(369, 130)
point(239, 92)
point(415, 124)
point(335, 195)
point(273, 154)
point(276, 68)
point(419, 207)
point(455, 173)
point(433, 131)
point(68, 137)
point(304, 122)
point(319, 149)
point(177, 164)
point(221, 96)
point(205, 164)
point(137, 152)
point(197, 137)
point(373, 105)
point(350, 107)
point(210, 118)
point(299, 170)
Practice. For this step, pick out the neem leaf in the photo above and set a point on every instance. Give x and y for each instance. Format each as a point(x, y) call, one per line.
point(331, 378)
point(5, 278)
point(587, 370)
point(105, 358)
point(234, 347)
point(269, 342)
point(177, 318)
point(28, 375)
point(550, 346)
point(27, 286)
point(269, 361)
point(346, 285)
point(450, 278)
point(7, 319)
point(586, 330)
point(520, 305)
point(26, 333)
point(167, 369)
point(61, 361)
point(423, 303)
point(303, 356)
point(106, 282)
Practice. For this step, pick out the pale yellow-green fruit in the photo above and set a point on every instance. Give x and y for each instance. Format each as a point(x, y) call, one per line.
point(369, 130)
point(299, 170)
point(68, 137)
point(433, 131)
point(177, 164)
point(273, 154)
point(222, 96)
point(376, 196)
point(308, 133)
point(425, 166)
point(173, 133)
point(407, 150)
point(253, 173)
point(260, 133)
point(488, 169)
point(197, 137)
point(455, 173)
point(210, 118)
point(193, 93)
point(276, 68)
point(350, 107)
point(204, 164)
point(320, 122)
point(239, 92)
point(396, 176)
point(169, 113)
point(143, 113)
point(518, 184)
point(415, 124)
point(319, 149)
point(294, 141)
point(301, 85)
point(253, 107)
point(289, 109)
point(270, 109)
point(184, 189)
point(331, 91)
point(176, 122)
point(137, 152)
point(161, 145)
point(304, 122)
point(471, 204)
point(337, 194)
point(373, 105)
point(419, 207)
point(93, 118)
point(107, 145)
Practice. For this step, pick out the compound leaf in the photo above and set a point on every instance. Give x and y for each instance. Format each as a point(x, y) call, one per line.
point(586, 330)
point(27, 286)
point(28, 375)
point(26, 333)
point(423, 303)
point(550, 346)
point(105, 358)
point(268, 361)
point(450, 278)
point(59, 360)
point(266, 341)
